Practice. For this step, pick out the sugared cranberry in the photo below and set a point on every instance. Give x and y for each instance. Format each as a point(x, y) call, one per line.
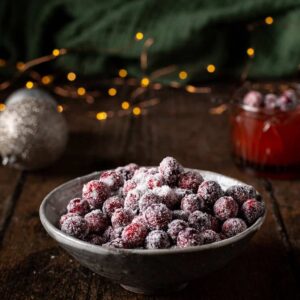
point(134, 235)
point(209, 192)
point(252, 210)
point(65, 217)
point(180, 193)
point(147, 199)
point(285, 103)
point(140, 175)
point(190, 203)
point(111, 233)
point(225, 208)
point(111, 204)
point(116, 243)
point(78, 206)
point(121, 217)
point(215, 224)
point(233, 227)
point(190, 180)
point(139, 219)
point(209, 236)
point(180, 214)
point(175, 227)
point(132, 200)
point(166, 195)
point(75, 226)
point(270, 101)
point(112, 179)
point(200, 220)
point(189, 237)
point(157, 216)
point(241, 193)
point(96, 220)
point(95, 239)
point(127, 171)
point(253, 99)
point(157, 239)
point(128, 186)
point(95, 193)
point(170, 169)
point(154, 181)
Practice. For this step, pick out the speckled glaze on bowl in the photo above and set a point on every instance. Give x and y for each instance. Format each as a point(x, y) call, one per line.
point(140, 270)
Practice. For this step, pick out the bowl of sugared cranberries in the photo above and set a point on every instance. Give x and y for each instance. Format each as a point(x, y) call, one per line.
point(153, 229)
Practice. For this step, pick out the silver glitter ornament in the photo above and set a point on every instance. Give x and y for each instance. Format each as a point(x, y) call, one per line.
point(33, 134)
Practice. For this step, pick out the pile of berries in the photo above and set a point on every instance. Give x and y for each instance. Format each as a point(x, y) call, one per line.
point(158, 208)
point(286, 101)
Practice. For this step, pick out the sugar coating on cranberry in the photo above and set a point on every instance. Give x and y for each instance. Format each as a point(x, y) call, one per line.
point(66, 216)
point(132, 199)
point(157, 216)
point(180, 214)
point(232, 227)
point(155, 180)
point(180, 193)
point(127, 171)
point(157, 239)
point(121, 217)
point(241, 193)
point(190, 203)
point(175, 227)
point(134, 235)
point(190, 180)
point(189, 237)
point(128, 186)
point(200, 220)
point(167, 196)
point(225, 208)
point(96, 220)
point(111, 204)
point(170, 169)
point(253, 99)
point(112, 179)
point(95, 239)
point(209, 192)
point(270, 101)
point(147, 199)
point(116, 243)
point(95, 193)
point(111, 233)
point(139, 219)
point(76, 205)
point(252, 210)
point(75, 226)
point(140, 175)
point(209, 236)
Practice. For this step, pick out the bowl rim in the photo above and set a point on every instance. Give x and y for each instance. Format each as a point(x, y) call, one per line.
point(63, 238)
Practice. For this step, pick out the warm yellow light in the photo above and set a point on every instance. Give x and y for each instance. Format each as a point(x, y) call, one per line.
point(46, 79)
point(55, 52)
point(269, 20)
point(250, 51)
point(190, 89)
point(71, 76)
point(145, 82)
point(2, 62)
point(123, 73)
point(139, 36)
point(20, 65)
point(136, 111)
point(125, 105)
point(2, 106)
point(60, 108)
point(183, 75)
point(81, 91)
point(211, 68)
point(29, 85)
point(112, 92)
point(102, 115)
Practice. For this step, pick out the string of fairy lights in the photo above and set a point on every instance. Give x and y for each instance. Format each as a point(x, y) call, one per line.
point(135, 104)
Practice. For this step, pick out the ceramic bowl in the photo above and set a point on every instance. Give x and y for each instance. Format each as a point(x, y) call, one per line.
point(141, 270)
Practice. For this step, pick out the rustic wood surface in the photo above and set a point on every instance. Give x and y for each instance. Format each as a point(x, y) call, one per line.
point(33, 266)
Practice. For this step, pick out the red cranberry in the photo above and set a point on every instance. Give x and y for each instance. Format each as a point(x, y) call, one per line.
point(112, 179)
point(140, 219)
point(225, 208)
point(234, 226)
point(121, 217)
point(95, 239)
point(128, 186)
point(111, 233)
point(96, 220)
point(200, 220)
point(157, 216)
point(167, 196)
point(132, 200)
point(75, 226)
point(190, 203)
point(190, 180)
point(116, 243)
point(287, 101)
point(209, 236)
point(175, 227)
point(78, 206)
point(95, 192)
point(127, 171)
point(252, 210)
point(65, 217)
point(134, 235)
point(147, 199)
point(209, 192)
point(170, 169)
point(189, 237)
point(253, 99)
point(154, 181)
point(241, 193)
point(111, 204)
point(180, 214)
point(215, 224)
point(157, 239)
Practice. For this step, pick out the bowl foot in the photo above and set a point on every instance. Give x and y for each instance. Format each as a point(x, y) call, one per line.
point(155, 291)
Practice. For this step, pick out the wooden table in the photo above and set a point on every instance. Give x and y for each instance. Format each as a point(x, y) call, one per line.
point(33, 266)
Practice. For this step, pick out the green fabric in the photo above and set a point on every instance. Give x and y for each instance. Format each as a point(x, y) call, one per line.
point(190, 34)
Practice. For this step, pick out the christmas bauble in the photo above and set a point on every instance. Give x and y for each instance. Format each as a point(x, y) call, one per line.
point(33, 134)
